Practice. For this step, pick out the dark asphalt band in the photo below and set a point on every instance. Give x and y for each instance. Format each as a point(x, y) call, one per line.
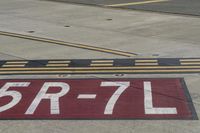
point(103, 62)
point(101, 66)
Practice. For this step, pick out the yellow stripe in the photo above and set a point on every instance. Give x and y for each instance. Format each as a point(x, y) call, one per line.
point(16, 62)
point(136, 3)
point(102, 61)
point(141, 61)
point(103, 71)
point(57, 65)
point(8, 65)
point(189, 60)
point(82, 46)
point(190, 63)
point(66, 61)
point(146, 64)
point(101, 64)
point(98, 68)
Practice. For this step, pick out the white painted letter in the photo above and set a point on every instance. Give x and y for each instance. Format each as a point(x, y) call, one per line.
point(54, 98)
point(16, 96)
point(148, 103)
point(122, 86)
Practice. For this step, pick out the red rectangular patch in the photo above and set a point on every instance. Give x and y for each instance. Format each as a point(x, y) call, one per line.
point(95, 99)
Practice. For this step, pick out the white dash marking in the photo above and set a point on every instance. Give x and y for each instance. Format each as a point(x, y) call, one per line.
point(86, 96)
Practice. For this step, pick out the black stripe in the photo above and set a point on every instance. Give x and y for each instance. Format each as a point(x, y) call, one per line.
point(169, 62)
point(123, 62)
point(36, 63)
point(2, 63)
point(80, 63)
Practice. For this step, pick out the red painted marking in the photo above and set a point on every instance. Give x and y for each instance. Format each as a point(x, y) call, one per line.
point(166, 93)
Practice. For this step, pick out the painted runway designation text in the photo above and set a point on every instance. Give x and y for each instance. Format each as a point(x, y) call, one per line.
point(95, 99)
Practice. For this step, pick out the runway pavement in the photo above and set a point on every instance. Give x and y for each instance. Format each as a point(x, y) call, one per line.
point(117, 70)
point(188, 7)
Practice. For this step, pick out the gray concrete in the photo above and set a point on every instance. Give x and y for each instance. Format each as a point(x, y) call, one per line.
point(144, 33)
point(189, 7)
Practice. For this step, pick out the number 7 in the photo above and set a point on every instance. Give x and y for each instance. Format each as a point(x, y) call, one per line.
point(113, 99)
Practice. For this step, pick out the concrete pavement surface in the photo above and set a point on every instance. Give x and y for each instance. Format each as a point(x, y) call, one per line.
point(187, 7)
point(143, 34)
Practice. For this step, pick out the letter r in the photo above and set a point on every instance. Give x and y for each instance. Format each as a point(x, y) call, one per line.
point(54, 97)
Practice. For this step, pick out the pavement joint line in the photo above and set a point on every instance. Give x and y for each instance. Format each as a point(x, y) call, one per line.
point(69, 44)
point(136, 3)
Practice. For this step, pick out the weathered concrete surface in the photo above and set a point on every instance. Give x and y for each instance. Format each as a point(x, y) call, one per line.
point(148, 34)
point(189, 7)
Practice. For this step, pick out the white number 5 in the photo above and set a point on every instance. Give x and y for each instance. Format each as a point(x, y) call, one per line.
point(113, 99)
point(16, 96)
